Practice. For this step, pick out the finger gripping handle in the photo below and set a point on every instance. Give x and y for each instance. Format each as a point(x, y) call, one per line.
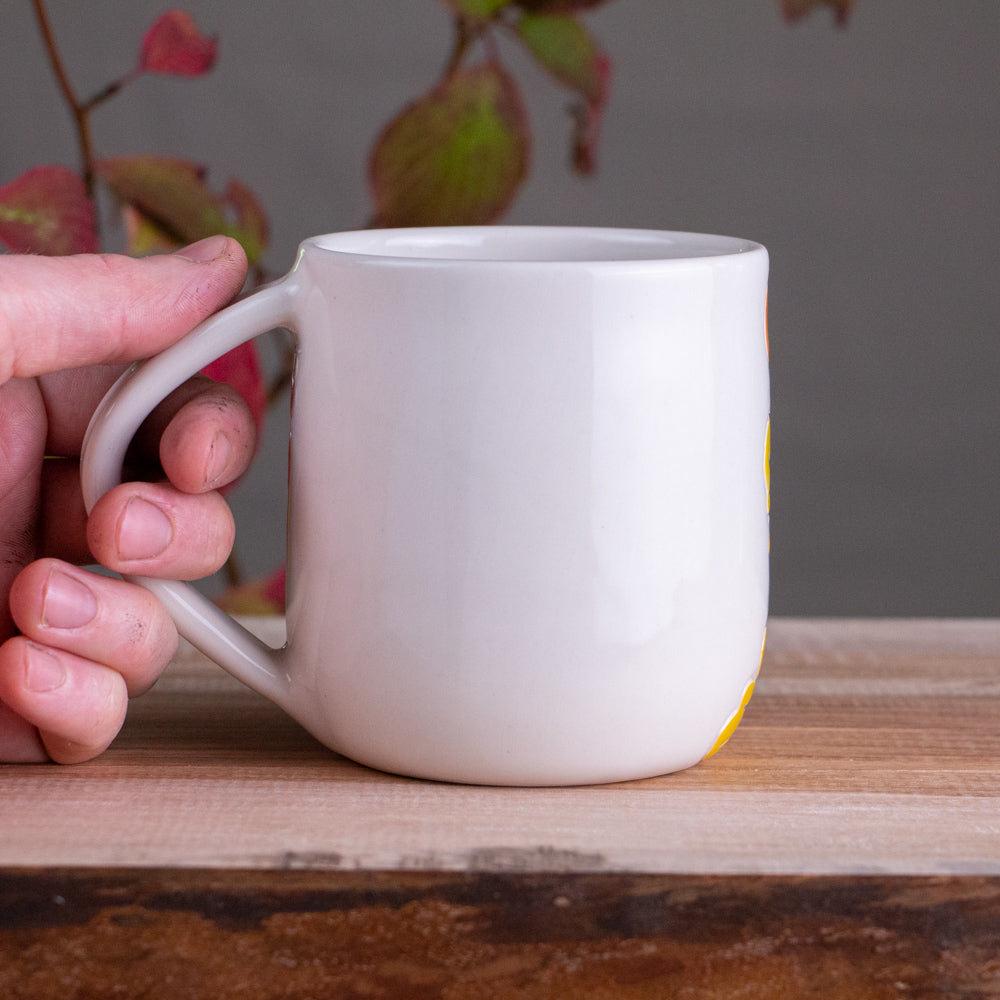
point(111, 429)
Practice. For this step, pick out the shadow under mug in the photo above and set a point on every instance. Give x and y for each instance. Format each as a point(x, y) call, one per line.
point(528, 497)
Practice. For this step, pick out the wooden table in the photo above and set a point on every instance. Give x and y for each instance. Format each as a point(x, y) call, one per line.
point(846, 843)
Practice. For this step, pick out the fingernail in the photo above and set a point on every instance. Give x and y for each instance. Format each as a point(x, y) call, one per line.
point(218, 460)
point(204, 251)
point(144, 531)
point(66, 602)
point(43, 670)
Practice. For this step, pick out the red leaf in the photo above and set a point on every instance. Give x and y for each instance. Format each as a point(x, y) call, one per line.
point(175, 45)
point(274, 587)
point(47, 211)
point(455, 157)
point(794, 9)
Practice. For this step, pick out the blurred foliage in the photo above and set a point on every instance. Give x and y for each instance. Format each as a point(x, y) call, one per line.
point(457, 154)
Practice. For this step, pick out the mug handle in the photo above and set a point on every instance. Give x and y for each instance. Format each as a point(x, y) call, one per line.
point(114, 423)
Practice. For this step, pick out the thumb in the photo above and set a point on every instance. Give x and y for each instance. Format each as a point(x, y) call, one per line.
point(66, 312)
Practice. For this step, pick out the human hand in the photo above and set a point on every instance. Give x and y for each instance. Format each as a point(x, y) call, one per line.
point(87, 643)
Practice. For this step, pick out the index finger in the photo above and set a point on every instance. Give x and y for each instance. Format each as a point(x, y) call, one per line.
point(66, 312)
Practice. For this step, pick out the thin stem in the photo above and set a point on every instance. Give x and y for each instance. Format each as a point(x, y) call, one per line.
point(284, 377)
point(464, 35)
point(109, 91)
point(492, 49)
point(79, 111)
point(232, 570)
point(280, 383)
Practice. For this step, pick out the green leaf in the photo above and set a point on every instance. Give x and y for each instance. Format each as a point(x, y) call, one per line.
point(456, 156)
point(481, 9)
point(46, 210)
point(564, 47)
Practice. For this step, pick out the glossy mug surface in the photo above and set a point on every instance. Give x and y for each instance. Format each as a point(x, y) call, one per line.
point(528, 497)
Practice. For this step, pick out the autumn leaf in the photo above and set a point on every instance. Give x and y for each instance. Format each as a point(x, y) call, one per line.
point(174, 45)
point(166, 203)
point(143, 236)
point(170, 192)
point(250, 218)
point(47, 211)
point(588, 116)
point(265, 596)
point(241, 368)
point(456, 156)
point(560, 6)
point(480, 9)
point(564, 47)
point(794, 9)
point(173, 197)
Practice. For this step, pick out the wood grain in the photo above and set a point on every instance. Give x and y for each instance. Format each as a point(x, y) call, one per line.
point(257, 935)
point(869, 748)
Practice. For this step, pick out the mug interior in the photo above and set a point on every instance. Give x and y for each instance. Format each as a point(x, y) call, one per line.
point(532, 244)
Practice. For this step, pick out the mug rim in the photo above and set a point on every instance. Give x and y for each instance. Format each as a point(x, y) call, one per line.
point(423, 246)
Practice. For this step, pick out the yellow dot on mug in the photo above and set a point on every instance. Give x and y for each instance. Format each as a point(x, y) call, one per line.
point(734, 720)
point(737, 717)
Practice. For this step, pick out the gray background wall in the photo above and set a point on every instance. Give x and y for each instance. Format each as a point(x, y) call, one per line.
point(865, 160)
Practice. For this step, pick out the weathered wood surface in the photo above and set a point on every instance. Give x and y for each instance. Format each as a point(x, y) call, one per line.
point(869, 748)
point(257, 935)
point(845, 844)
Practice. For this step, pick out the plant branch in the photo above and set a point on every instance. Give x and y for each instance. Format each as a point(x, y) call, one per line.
point(80, 112)
point(53, 52)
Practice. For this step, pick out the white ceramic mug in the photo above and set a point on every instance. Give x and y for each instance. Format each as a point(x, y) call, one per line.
point(528, 499)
